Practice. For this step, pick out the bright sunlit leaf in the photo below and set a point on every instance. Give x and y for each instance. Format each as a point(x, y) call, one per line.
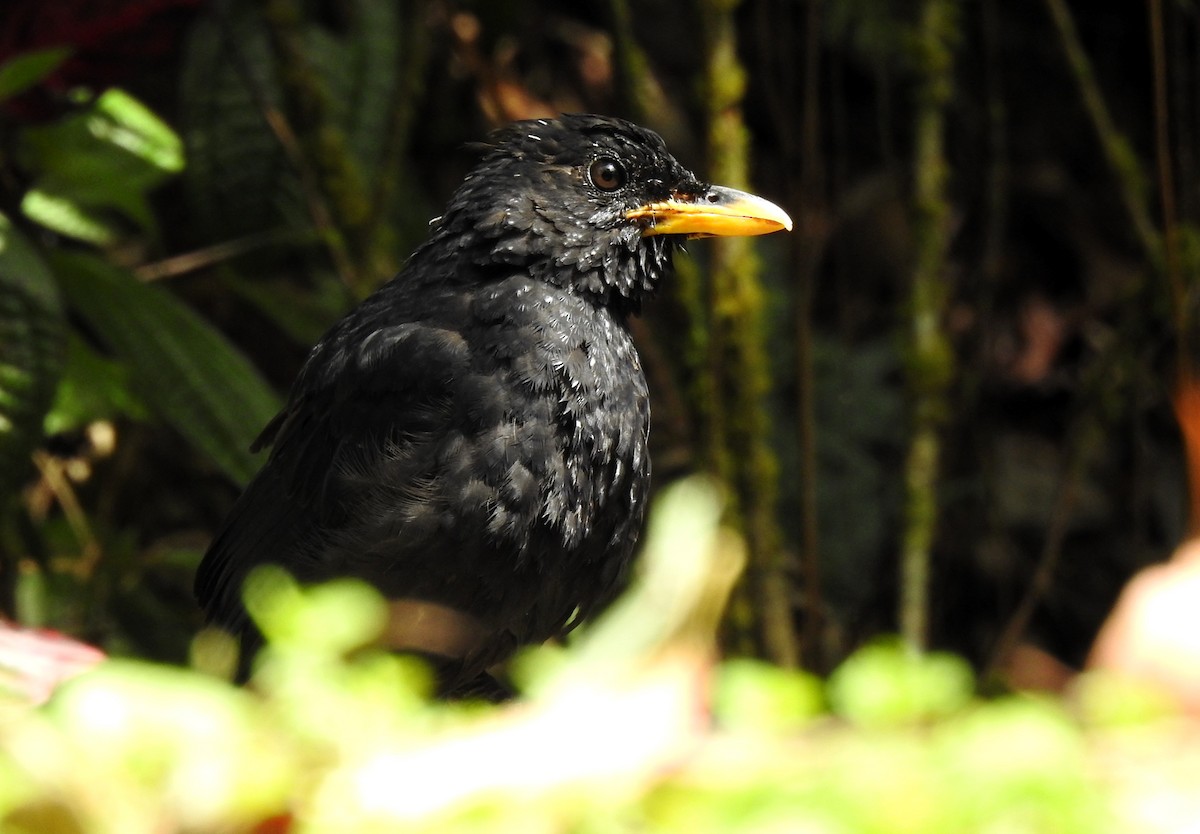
point(67, 216)
point(124, 121)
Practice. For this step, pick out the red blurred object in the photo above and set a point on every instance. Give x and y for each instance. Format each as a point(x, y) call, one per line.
point(278, 824)
point(1187, 412)
point(35, 661)
point(111, 40)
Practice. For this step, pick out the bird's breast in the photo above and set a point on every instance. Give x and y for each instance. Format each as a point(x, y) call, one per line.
point(505, 468)
point(573, 381)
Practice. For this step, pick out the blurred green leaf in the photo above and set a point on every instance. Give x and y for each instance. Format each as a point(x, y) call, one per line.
point(327, 619)
point(333, 741)
point(1022, 759)
point(21, 72)
point(93, 387)
point(181, 367)
point(103, 159)
point(198, 744)
point(1113, 700)
point(68, 217)
point(886, 685)
point(31, 349)
point(125, 122)
point(332, 686)
point(686, 571)
point(360, 68)
point(752, 695)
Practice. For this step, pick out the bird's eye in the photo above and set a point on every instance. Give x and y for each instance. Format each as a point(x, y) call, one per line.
point(607, 174)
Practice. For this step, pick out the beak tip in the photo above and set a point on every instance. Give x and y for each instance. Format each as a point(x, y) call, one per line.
point(774, 214)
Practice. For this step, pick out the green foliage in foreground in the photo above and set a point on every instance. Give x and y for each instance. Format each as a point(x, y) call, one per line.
point(628, 729)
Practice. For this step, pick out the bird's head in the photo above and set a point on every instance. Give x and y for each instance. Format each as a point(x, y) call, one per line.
point(594, 204)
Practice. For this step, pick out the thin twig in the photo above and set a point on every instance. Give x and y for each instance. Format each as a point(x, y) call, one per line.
point(1166, 182)
point(1098, 407)
point(210, 255)
point(56, 481)
point(1116, 148)
point(1047, 565)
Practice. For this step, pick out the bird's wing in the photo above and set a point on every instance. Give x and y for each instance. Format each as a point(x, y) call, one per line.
point(362, 424)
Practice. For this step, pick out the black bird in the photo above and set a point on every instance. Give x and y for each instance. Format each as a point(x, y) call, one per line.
point(472, 438)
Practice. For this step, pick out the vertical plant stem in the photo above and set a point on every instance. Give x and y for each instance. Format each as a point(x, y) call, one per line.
point(737, 345)
point(929, 365)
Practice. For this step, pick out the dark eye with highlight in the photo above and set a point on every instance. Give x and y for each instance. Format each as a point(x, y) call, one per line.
point(607, 174)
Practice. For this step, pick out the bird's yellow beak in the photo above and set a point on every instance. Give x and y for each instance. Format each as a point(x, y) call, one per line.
point(715, 211)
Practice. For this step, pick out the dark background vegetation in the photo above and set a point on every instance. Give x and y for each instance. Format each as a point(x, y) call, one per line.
point(965, 356)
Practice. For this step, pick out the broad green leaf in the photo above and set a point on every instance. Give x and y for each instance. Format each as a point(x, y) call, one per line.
point(182, 368)
point(21, 72)
point(31, 340)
